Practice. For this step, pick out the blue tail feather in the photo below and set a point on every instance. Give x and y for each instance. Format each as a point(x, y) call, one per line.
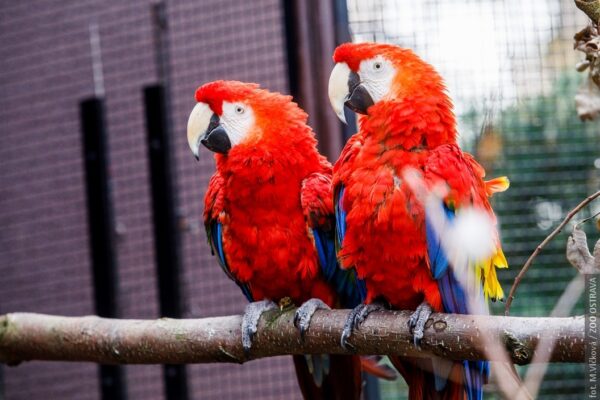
point(454, 300)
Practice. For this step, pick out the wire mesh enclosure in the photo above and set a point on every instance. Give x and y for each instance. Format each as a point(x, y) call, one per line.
point(510, 69)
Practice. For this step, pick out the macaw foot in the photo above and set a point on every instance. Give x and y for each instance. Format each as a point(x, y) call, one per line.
point(305, 312)
point(417, 322)
point(250, 321)
point(356, 317)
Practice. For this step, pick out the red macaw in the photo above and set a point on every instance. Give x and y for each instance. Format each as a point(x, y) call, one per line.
point(269, 218)
point(406, 120)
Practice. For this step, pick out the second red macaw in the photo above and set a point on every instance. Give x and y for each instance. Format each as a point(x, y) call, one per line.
point(406, 121)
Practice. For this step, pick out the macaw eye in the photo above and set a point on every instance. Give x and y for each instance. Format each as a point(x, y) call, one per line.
point(239, 110)
point(377, 66)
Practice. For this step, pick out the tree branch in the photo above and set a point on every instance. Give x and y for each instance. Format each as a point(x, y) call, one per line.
point(538, 249)
point(25, 337)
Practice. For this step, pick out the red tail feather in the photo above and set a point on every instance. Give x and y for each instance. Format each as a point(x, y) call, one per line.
point(371, 366)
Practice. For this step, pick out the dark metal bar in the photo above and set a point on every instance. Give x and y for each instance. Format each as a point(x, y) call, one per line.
point(164, 200)
point(309, 45)
point(166, 231)
point(101, 228)
point(291, 42)
point(341, 21)
point(342, 35)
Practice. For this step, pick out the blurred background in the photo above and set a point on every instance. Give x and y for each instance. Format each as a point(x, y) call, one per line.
point(89, 86)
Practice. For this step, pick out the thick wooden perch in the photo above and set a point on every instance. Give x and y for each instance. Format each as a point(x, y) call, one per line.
point(25, 337)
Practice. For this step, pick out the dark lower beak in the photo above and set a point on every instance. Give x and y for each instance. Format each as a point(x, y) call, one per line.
point(216, 138)
point(359, 99)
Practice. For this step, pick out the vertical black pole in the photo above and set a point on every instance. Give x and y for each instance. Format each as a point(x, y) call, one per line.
point(166, 232)
point(100, 222)
point(291, 42)
point(310, 41)
point(342, 35)
point(164, 200)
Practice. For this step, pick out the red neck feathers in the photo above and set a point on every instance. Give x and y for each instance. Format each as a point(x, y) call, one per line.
point(423, 120)
point(281, 147)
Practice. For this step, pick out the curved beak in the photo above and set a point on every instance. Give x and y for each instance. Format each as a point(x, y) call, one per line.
point(198, 122)
point(204, 128)
point(338, 89)
point(346, 89)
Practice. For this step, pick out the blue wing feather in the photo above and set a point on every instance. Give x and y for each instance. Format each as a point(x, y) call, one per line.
point(326, 251)
point(351, 289)
point(454, 301)
point(437, 257)
point(215, 238)
point(340, 216)
point(343, 281)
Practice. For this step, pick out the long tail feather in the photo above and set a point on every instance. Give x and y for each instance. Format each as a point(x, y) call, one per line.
point(343, 380)
point(370, 365)
point(418, 374)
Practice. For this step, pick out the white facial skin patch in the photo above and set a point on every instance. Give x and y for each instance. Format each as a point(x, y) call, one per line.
point(376, 75)
point(237, 119)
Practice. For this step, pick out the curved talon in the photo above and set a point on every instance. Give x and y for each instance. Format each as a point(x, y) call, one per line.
point(357, 316)
point(368, 309)
point(346, 333)
point(305, 312)
point(417, 322)
point(346, 345)
point(349, 326)
point(250, 321)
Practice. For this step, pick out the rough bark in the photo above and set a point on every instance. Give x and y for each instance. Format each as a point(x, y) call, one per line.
point(25, 337)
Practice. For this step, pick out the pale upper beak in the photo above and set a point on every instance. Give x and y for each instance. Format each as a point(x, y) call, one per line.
point(198, 123)
point(338, 89)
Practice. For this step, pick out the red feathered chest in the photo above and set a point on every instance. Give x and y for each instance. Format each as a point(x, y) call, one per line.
point(385, 237)
point(266, 241)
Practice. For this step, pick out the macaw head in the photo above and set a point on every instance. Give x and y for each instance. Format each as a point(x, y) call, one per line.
point(366, 74)
point(231, 113)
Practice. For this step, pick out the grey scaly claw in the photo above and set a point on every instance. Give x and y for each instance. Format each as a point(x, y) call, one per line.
point(417, 322)
point(356, 317)
point(250, 321)
point(349, 327)
point(366, 310)
point(305, 312)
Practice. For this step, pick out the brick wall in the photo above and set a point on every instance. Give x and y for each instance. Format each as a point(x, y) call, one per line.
point(45, 69)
